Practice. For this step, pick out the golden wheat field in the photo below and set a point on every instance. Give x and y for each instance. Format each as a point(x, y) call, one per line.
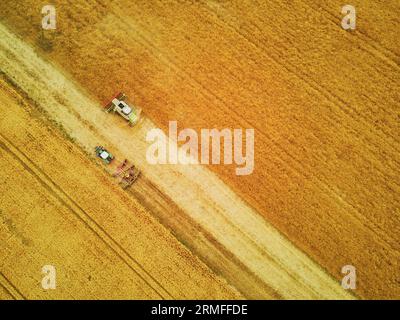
point(324, 193)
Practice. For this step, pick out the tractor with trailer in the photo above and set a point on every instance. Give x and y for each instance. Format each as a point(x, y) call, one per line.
point(126, 174)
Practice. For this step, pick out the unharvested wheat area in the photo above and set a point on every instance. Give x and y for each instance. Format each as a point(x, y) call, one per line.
point(324, 193)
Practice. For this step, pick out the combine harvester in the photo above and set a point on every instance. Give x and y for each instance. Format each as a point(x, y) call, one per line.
point(128, 111)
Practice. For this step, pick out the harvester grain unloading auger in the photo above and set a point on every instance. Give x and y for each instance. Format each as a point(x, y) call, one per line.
point(128, 111)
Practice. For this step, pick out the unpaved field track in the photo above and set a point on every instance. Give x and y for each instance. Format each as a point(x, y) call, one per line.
point(324, 103)
point(104, 243)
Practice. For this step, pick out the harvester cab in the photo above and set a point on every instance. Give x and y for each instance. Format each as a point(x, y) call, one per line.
point(128, 111)
point(103, 154)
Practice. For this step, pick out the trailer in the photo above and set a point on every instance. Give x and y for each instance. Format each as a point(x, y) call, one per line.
point(129, 176)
